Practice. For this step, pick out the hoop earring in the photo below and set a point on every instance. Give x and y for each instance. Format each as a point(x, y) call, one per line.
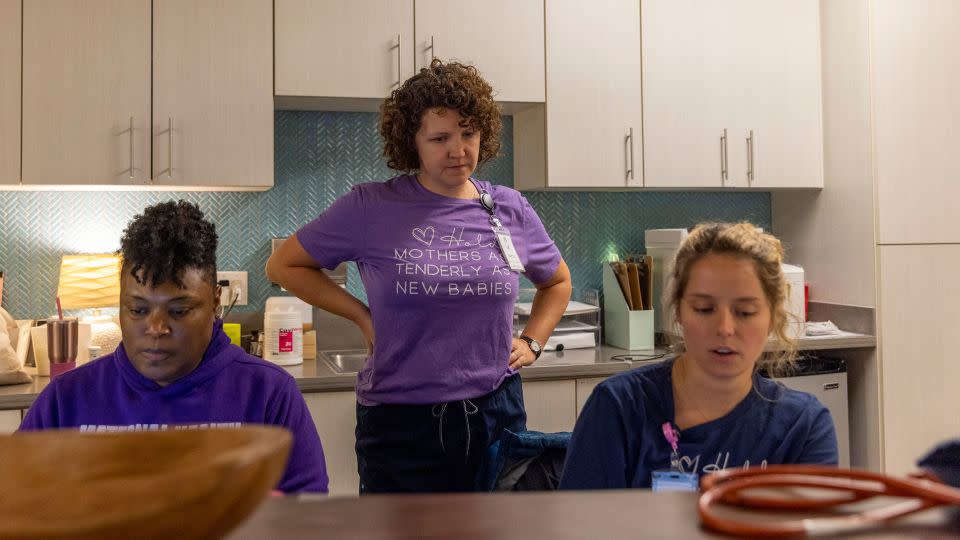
point(218, 313)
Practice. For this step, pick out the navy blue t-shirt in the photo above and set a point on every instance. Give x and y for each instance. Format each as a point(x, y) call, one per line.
point(618, 441)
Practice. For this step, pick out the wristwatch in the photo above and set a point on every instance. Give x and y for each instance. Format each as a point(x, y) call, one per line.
point(534, 346)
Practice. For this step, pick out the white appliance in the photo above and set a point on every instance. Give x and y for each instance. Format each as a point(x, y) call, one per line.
point(826, 379)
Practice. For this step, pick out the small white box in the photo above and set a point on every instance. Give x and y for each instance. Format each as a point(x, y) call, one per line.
point(796, 307)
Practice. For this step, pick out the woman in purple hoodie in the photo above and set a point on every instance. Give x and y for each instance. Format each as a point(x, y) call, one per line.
point(176, 368)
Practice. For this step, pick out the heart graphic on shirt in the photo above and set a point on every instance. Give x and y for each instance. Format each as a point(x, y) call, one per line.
point(424, 235)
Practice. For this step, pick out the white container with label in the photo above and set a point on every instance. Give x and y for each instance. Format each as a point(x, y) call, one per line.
point(287, 303)
point(283, 337)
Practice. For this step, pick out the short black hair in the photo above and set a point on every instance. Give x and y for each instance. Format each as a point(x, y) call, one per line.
point(169, 237)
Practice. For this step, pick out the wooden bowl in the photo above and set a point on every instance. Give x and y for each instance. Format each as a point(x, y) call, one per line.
point(186, 483)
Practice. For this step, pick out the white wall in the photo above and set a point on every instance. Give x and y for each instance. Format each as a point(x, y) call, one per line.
point(831, 232)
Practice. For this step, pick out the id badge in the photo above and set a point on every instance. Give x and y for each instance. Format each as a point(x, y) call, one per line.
point(506, 247)
point(674, 481)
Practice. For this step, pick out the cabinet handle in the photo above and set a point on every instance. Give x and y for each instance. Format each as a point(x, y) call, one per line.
point(169, 132)
point(723, 157)
point(750, 158)
point(130, 130)
point(169, 147)
point(431, 49)
point(628, 155)
point(399, 67)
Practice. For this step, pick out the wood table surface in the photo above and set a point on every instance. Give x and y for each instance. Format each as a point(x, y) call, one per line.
point(597, 515)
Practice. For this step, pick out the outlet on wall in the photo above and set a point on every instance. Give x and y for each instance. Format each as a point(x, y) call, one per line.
point(236, 279)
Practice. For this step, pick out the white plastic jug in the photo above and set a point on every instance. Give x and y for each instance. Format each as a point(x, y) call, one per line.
point(286, 303)
point(283, 336)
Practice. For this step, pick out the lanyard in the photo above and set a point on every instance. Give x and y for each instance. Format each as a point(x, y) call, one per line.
point(488, 204)
point(673, 438)
point(504, 241)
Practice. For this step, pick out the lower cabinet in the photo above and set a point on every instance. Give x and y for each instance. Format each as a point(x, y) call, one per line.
point(9, 421)
point(335, 415)
point(584, 389)
point(551, 405)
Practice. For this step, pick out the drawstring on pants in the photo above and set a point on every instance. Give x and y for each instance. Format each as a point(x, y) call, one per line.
point(469, 408)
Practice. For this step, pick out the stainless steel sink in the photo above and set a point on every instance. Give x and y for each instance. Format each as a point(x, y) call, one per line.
point(345, 361)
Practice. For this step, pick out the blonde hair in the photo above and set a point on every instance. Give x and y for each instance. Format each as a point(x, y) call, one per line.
point(765, 251)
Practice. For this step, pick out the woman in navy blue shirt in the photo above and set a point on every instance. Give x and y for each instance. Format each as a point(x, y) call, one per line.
point(707, 409)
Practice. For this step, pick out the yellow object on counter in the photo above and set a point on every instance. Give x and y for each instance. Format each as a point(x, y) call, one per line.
point(310, 345)
point(233, 332)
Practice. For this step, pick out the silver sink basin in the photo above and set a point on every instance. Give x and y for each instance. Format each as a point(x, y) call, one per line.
point(345, 361)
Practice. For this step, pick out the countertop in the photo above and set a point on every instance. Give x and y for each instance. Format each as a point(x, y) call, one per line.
point(637, 513)
point(602, 361)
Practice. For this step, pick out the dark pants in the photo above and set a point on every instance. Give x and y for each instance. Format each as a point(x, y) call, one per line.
point(433, 448)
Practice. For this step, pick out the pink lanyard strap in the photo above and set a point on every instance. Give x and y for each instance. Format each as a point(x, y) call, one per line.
point(673, 438)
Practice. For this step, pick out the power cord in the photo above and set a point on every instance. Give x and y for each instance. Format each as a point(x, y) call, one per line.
point(236, 296)
point(637, 357)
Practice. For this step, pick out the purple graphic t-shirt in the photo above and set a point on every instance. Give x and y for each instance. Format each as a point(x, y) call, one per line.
point(439, 291)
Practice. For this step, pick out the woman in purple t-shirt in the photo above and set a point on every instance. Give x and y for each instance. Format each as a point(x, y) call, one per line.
point(440, 254)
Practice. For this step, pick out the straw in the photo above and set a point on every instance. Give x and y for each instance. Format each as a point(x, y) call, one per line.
point(59, 309)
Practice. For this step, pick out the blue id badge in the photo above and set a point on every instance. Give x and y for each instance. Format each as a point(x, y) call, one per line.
point(675, 481)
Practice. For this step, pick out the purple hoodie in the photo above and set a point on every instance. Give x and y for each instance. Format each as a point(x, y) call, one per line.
point(228, 388)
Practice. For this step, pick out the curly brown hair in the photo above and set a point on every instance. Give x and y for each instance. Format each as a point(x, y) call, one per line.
point(453, 86)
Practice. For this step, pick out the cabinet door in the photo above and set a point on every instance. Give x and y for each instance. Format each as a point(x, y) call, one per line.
point(584, 389)
point(593, 80)
point(551, 405)
point(732, 93)
point(86, 82)
point(777, 70)
point(335, 415)
point(917, 324)
point(916, 81)
point(9, 91)
point(503, 38)
point(213, 92)
point(687, 98)
point(342, 48)
point(9, 421)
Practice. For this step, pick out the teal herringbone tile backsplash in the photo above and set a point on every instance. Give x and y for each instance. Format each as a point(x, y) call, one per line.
point(318, 157)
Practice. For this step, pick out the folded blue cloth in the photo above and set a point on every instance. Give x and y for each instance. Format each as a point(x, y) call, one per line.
point(519, 460)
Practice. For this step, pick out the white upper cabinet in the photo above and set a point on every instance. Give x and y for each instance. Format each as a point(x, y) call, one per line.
point(213, 93)
point(686, 94)
point(731, 93)
point(594, 123)
point(343, 48)
point(363, 48)
point(916, 80)
point(10, 91)
point(503, 38)
point(86, 92)
point(782, 95)
point(88, 76)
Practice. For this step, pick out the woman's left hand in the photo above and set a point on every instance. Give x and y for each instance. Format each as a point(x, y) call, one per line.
point(520, 354)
